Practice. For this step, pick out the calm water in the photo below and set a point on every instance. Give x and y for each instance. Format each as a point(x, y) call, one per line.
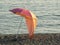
point(47, 12)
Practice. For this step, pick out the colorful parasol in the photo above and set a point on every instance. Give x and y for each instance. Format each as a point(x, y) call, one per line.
point(31, 19)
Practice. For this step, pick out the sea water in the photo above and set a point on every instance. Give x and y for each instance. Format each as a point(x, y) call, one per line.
point(47, 12)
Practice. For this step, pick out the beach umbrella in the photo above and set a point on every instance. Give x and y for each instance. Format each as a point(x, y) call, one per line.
point(31, 19)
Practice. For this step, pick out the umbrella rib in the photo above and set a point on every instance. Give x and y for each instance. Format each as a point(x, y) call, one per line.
point(19, 26)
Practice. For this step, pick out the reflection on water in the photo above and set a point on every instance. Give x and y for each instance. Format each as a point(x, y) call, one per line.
point(47, 12)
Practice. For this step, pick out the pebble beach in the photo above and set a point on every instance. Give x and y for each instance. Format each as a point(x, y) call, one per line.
point(38, 39)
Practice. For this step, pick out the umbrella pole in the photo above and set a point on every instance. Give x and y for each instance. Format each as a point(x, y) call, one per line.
point(19, 27)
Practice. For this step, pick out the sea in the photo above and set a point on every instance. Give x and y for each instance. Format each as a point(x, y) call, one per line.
point(46, 11)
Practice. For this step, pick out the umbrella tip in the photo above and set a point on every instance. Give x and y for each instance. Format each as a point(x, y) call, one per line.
point(10, 10)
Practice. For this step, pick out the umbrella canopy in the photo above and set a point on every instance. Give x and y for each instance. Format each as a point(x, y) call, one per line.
point(31, 19)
